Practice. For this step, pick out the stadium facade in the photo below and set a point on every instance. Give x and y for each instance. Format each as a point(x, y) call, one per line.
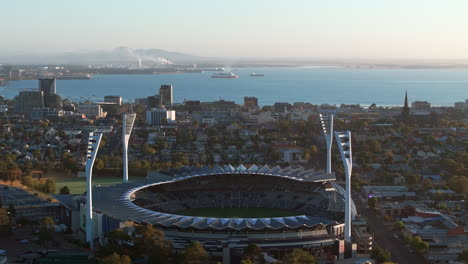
point(316, 225)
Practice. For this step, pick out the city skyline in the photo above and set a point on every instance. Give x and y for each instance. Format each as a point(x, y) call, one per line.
point(361, 29)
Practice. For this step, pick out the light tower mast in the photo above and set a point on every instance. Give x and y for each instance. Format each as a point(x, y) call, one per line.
point(127, 126)
point(344, 145)
point(327, 128)
point(94, 140)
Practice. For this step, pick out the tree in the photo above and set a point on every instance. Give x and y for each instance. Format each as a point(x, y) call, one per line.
point(11, 210)
point(398, 225)
point(299, 256)
point(116, 259)
point(380, 255)
point(372, 202)
point(27, 181)
point(459, 184)
point(427, 184)
point(99, 164)
point(417, 244)
point(49, 186)
point(64, 190)
point(253, 253)
point(4, 221)
point(150, 241)
point(195, 253)
point(413, 178)
point(46, 231)
point(463, 256)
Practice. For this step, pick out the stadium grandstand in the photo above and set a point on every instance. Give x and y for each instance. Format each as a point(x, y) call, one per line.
point(226, 208)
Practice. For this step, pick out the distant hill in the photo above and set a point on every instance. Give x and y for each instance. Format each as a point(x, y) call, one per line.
point(119, 55)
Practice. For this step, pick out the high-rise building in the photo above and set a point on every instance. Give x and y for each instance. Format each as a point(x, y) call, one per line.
point(250, 102)
point(47, 85)
point(113, 99)
point(26, 101)
point(159, 116)
point(52, 101)
point(153, 102)
point(166, 95)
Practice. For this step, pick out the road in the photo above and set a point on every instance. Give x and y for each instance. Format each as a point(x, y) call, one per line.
point(383, 237)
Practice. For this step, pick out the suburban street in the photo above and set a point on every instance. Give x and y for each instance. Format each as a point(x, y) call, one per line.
point(383, 236)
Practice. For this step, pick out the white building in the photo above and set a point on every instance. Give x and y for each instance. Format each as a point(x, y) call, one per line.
point(209, 121)
point(160, 116)
point(91, 110)
point(113, 99)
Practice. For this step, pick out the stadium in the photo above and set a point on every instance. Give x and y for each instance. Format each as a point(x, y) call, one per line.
point(226, 208)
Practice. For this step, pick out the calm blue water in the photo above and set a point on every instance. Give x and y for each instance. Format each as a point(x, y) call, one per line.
point(314, 85)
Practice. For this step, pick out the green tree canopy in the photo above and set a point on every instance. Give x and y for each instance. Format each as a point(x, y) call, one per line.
point(46, 231)
point(115, 259)
point(299, 256)
point(398, 225)
point(64, 190)
point(195, 254)
point(253, 253)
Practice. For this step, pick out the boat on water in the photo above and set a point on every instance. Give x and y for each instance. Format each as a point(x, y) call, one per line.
point(226, 75)
point(253, 74)
point(74, 77)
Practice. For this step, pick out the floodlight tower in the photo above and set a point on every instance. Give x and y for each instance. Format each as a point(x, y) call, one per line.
point(344, 145)
point(327, 128)
point(127, 126)
point(93, 145)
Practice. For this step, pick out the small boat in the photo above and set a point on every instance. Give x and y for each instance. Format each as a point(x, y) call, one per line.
point(253, 74)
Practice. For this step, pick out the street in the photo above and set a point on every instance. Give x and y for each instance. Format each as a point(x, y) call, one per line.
point(383, 237)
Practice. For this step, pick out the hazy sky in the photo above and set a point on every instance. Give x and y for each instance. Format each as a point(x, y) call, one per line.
point(407, 29)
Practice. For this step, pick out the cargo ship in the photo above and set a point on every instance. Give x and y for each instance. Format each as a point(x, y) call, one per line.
point(226, 75)
point(74, 77)
point(253, 74)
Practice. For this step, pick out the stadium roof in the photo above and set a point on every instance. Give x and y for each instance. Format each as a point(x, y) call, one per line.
point(116, 201)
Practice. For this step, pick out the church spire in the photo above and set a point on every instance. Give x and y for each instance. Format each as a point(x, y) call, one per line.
point(406, 111)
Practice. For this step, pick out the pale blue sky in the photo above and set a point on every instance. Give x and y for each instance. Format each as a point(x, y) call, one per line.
point(406, 29)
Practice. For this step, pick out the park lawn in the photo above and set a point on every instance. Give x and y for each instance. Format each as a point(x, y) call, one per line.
point(237, 212)
point(78, 185)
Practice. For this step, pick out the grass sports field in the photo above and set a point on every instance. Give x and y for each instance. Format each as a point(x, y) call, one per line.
point(78, 185)
point(237, 212)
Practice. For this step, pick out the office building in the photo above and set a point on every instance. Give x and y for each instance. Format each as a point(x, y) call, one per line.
point(165, 92)
point(52, 101)
point(282, 107)
point(113, 99)
point(420, 108)
point(47, 85)
point(461, 105)
point(91, 110)
point(153, 102)
point(192, 106)
point(141, 101)
point(250, 102)
point(26, 101)
point(159, 116)
point(45, 113)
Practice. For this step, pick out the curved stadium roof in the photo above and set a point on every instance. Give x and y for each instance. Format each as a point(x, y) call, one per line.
point(115, 201)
